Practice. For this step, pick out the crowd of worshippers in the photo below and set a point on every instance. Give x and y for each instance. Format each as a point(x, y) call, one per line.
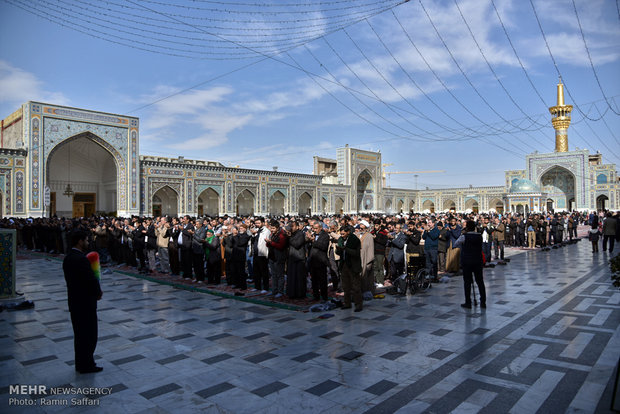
point(288, 255)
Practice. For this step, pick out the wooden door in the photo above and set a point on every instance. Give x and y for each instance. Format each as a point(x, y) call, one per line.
point(78, 209)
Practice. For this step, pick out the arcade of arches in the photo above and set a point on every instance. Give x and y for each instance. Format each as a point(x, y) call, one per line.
point(90, 170)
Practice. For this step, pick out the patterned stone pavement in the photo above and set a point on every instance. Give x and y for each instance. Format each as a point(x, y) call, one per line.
point(547, 343)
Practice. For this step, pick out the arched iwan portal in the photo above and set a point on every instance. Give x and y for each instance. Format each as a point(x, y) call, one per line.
point(165, 202)
point(245, 203)
point(92, 172)
point(209, 203)
point(429, 205)
point(305, 203)
point(559, 184)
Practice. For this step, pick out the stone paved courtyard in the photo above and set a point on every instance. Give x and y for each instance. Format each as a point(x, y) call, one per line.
point(549, 342)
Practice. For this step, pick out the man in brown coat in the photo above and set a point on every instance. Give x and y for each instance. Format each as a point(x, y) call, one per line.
point(498, 239)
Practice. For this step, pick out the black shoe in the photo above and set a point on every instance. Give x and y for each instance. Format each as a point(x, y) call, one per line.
point(358, 309)
point(466, 305)
point(483, 305)
point(90, 370)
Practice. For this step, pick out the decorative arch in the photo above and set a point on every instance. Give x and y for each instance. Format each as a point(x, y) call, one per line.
point(208, 202)
point(277, 202)
point(365, 191)
point(240, 190)
point(429, 205)
point(121, 167)
point(497, 204)
point(449, 205)
point(472, 204)
point(304, 203)
point(324, 204)
point(559, 183)
point(245, 202)
point(411, 205)
point(400, 205)
point(602, 202)
point(165, 201)
point(339, 205)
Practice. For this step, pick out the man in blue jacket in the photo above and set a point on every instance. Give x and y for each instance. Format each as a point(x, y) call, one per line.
point(431, 243)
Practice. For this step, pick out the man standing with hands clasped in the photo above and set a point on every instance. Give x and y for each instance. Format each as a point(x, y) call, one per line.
point(471, 258)
point(349, 247)
point(83, 292)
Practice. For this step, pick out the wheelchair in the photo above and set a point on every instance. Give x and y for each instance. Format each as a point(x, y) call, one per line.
point(417, 278)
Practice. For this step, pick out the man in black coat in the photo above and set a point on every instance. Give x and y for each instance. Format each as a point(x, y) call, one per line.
point(472, 263)
point(83, 292)
point(184, 241)
point(240, 247)
point(349, 247)
point(318, 261)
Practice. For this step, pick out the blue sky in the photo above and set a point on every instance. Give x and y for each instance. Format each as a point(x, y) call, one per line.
point(434, 85)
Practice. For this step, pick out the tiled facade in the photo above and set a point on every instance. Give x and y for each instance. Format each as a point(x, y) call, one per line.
point(567, 180)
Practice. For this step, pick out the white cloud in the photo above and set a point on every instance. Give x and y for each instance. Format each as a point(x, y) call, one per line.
point(19, 86)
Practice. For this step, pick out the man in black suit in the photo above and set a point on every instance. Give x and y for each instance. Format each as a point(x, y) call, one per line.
point(470, 243)
point(83, 292)
point(184, 241)
point(318, 261)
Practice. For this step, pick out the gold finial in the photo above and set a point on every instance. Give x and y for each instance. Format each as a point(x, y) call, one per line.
point(560, 93)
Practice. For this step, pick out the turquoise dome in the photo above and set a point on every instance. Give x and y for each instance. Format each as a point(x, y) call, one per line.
point(524, 186)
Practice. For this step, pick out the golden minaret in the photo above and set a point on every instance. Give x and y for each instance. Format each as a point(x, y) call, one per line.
point(561, 120)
